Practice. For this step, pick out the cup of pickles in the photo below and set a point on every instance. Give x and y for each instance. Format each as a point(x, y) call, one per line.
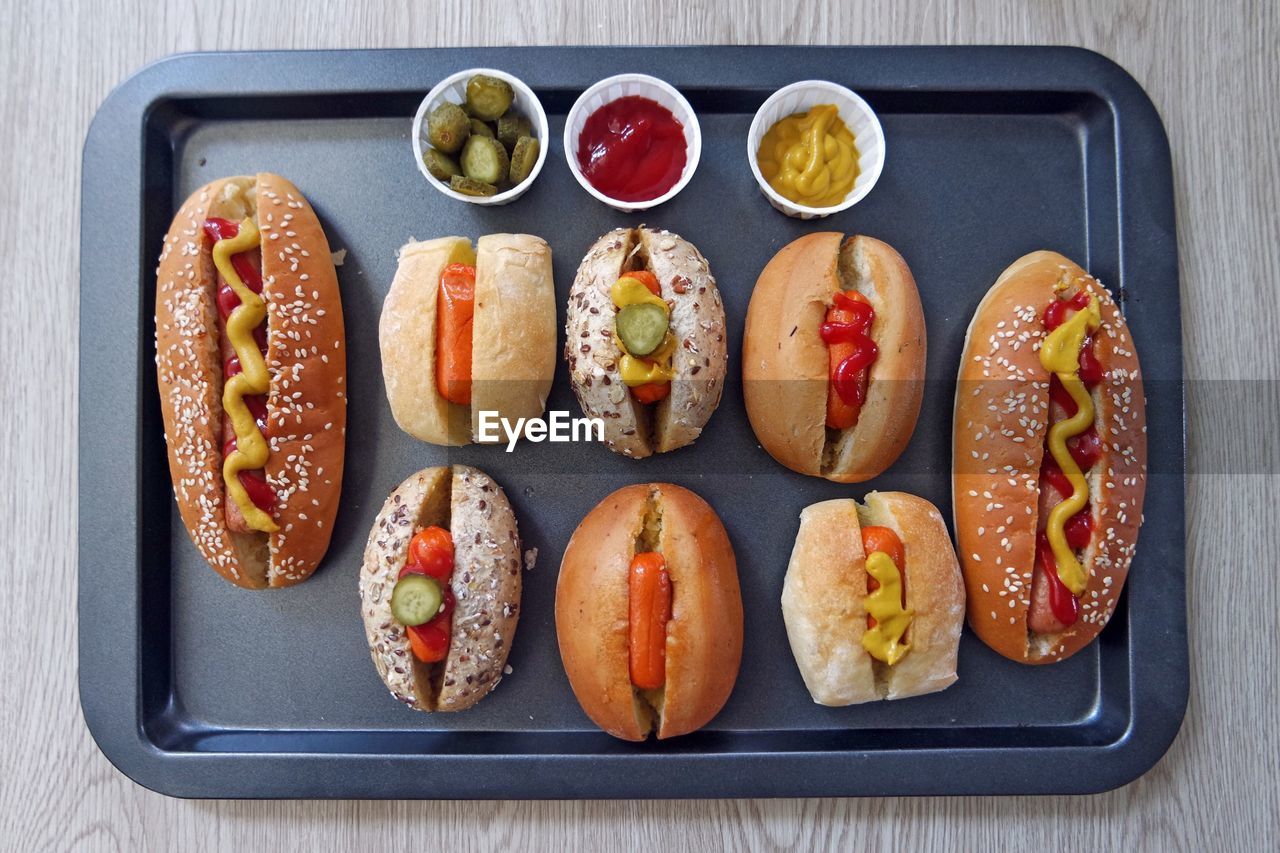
point(480, 136)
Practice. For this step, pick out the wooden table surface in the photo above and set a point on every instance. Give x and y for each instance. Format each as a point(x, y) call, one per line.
point(1211, 69)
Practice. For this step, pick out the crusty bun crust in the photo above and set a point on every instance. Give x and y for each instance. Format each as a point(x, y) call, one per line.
point(306, 360)
point(513, 353)
point(592, 614)
point(823, 600)
point(486, 584)
point(704, 635)
point(1001, 413)
point(697, 321)
point(407, 340)
point(785, 363)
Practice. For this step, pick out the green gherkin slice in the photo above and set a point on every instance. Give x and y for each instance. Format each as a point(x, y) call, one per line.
point(642, 328)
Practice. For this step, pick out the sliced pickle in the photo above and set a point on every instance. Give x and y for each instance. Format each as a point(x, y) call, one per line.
point(523, 159)
point(481, 128)
point(488, 97)
point(448, 127)
point(470, 186)
point(484, 159)
point(511, 127)
point(642, 327)
point(440, 165)
point(415, 600)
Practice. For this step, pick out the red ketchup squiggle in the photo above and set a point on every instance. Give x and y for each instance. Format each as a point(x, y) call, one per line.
point(848, 326)
point(1085, 449)
point(1065, 607)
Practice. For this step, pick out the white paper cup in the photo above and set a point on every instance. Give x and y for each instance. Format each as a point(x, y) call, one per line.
point(454, 88)
point(868, 136)
point(620, 86)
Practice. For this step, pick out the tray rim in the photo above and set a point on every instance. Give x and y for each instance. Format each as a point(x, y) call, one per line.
point(125, 743)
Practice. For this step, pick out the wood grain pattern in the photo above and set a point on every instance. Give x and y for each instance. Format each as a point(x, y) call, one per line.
point(1211, 69)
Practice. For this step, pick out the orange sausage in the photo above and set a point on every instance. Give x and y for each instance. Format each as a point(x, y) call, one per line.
point(840, 415)
point(455, 310)
point(649, 599)
point(646, 278)
point(651, 392)
point(884, 539)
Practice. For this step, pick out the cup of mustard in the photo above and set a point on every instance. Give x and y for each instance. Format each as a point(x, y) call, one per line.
point(815, 148)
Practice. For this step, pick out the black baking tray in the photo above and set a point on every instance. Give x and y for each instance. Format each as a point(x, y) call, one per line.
point(195, 688)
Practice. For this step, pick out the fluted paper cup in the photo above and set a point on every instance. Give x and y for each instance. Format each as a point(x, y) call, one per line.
point(454, 88)
point(868, 136)
point(620, 86)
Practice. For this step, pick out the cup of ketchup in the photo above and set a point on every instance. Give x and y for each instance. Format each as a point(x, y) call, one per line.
point(632, 141)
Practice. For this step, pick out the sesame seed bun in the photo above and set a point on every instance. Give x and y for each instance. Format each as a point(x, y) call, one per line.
point(486, 585)
point(785, 363)
point(825, 590)
point(697, 322)
point(306, 361)
point(1001, 418)
point(704, 634)
point(513, 351)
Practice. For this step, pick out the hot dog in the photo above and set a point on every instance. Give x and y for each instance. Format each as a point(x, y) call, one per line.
point(873, 600)
point(645, 340)
point(833, 356)
point(251, 367)
point(440, 588)
point(467, 331)
point(648, 612)
point(1049, 459)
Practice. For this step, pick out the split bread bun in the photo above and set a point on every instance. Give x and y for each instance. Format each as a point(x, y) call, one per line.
point(786, 364)
point(1003, 492)
point(297, 354)
point(696, 357)
point(513, 353)
point(703, 636)
point(485, 584)
point(824, 600)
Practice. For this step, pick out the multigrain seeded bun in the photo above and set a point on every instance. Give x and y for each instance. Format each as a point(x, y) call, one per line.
point(1001, 417)
point(486, 585)
point(825, 589)
point(785, 363)
point(697, 321)
point(704, 634)
point(306, 360)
